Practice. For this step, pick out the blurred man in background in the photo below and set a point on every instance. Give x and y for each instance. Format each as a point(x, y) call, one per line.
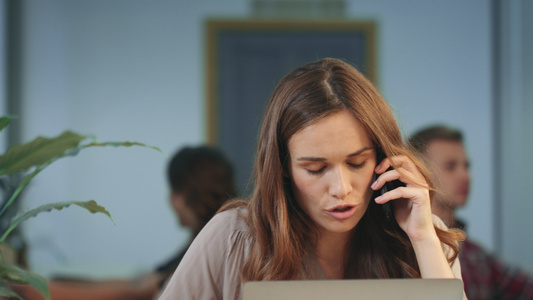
point(484, 276)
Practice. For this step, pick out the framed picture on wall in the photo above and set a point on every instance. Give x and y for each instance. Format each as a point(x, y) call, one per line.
point(247, 58)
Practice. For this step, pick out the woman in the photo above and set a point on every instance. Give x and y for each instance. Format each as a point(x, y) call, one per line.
point(325, 148)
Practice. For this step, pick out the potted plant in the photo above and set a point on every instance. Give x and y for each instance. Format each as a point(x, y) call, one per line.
point(25, 161)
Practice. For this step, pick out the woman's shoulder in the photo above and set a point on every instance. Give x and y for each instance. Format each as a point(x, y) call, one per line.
point(230, 223)
point(233, 214)
point(210, 267)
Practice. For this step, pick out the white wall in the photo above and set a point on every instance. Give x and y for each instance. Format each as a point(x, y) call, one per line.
point(516, 75)
point(133, 70)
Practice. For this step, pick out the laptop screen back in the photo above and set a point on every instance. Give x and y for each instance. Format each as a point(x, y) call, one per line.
point(367, 289)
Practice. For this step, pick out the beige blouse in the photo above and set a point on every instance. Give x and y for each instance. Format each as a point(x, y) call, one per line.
point(210, 269)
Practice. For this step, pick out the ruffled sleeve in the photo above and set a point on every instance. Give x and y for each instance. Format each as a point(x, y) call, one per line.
point(455, 265)
point(211, 267)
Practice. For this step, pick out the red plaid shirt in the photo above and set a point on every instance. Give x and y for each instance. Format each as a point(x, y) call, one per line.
point(487, 278)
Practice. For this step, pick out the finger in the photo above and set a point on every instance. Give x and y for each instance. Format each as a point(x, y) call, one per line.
point(394, 194)
point(408, 172)
point(383, 166)
point(397, 161)
point(384, 178)
point(403, 162)
point(414, 194)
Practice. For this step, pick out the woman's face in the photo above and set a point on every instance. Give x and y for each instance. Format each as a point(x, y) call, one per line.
point(331, 166)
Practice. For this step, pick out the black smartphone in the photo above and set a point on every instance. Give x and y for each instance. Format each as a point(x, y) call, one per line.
point(390, 185)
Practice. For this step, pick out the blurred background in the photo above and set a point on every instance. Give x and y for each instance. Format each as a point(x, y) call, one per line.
point(139, 70)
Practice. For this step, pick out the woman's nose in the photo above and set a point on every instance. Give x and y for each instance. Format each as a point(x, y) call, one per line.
point(340, 185)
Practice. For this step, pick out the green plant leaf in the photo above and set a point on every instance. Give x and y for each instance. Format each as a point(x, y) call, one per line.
point(121, 144)
point(14, 274)
point(91, 206)
point(6, 293)
point(37, 152)
point(5, 121)
point(21, 186)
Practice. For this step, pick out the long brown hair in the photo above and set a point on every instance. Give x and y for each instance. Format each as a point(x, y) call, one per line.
point(280, 230)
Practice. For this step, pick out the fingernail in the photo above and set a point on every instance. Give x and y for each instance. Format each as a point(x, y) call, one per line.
point(379, 198)
point(374, 184)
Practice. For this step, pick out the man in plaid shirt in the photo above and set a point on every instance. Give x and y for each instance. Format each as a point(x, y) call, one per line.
point(484, 276)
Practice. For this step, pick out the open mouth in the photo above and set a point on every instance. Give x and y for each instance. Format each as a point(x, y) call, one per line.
point(342, 212)
point(342, 209)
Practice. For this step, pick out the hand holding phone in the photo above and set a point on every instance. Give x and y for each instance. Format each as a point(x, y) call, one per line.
point(389, 186)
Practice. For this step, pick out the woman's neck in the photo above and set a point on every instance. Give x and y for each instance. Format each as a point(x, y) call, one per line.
point(330, 252)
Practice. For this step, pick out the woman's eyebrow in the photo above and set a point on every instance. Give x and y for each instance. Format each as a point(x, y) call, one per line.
point(364, 149)
point(320, 159)
point(309, 158)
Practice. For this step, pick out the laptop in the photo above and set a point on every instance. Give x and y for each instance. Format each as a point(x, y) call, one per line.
point(365, 289)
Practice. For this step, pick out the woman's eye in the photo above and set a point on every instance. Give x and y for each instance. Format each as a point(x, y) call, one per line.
point(357, 166)
point(315, 171)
